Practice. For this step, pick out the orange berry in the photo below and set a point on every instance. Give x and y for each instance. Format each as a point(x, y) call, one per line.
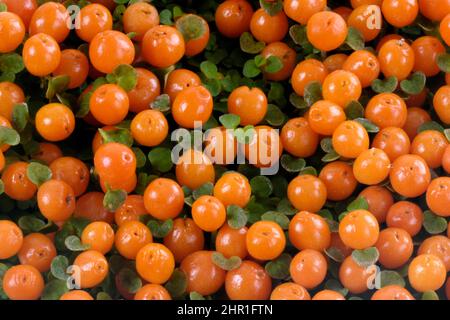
point(155, 263)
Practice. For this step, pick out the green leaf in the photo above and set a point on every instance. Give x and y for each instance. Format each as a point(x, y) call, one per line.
point(414, 84)
point(224, 263)
point(3, 7)
point(366, 257)
point(141, 159)
point(249, 45)
point(272, 7)
point(20, 116)
point(260, 61)
point(177, 284)
point(161, 159)
point(54, 290)
point(216, 56)
point(430, 125)
point(103, 296)
point(73, 243)
point(130, 280)
point(291, 164)
point(2, 187)
point(9, 136)
point(119, 135)
point(447, 134)
point(214, 86)
point(30, 223)
point(430, 295)
point(389, 277)
point(434, 224)
point(355, 39)
point(165, 17)
point(326, 145)
point(237, 217)
point(273, 65)
point(298, 35)
point(297, 101)
point(160, 229)
point(7, 77)
point(335, 285)
point(274, 116)
point(331, 156)
point(368, 125)
point(309, 170)
point(244, 135)
point(124, 76)
point(387, 85)
point(191, 26)
point(56, 85)
point(209, 69)
point(177, 12)
point(443, 62)
point(334, 254)
point(11, 63)
point(359, 203)
point(354, 110)
point(194, 295)
point(280, 218)
point(279, 268)
point(205, 189)
point(251, 70)
point(286, 207)
point(38, 173)
point(312, 93)
point(161, 103)
point(59, 267)
point(261, 186)
point(113, 199)
point(229, 120)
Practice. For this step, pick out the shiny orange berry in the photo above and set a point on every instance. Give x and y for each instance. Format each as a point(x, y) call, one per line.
point(341, 87)
point(208, 213)
point(149, 128)
point(12, 31)
point(11, 237)
point(233, 188)
point(93, 268)
point(23, 282)
point(307, 193)
point(267, 28)
point(41, 55)
point(249, 104)
point(140, 17)
point(38, 251)
point(359, 229)
point(99, 235)
point(191, 106)
point(309, 231)
point(56, 200)
point(426, 273)
point(163, 46)
point(438, 195)
point(109, 49)
point(94, 19)
point(55, 122)
point(350, 139)
point(233, 17)
point(326, 30)
point(131, 237)
point(265, 240)
point(298, 138)
point(410, 175)
point(164, 193)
